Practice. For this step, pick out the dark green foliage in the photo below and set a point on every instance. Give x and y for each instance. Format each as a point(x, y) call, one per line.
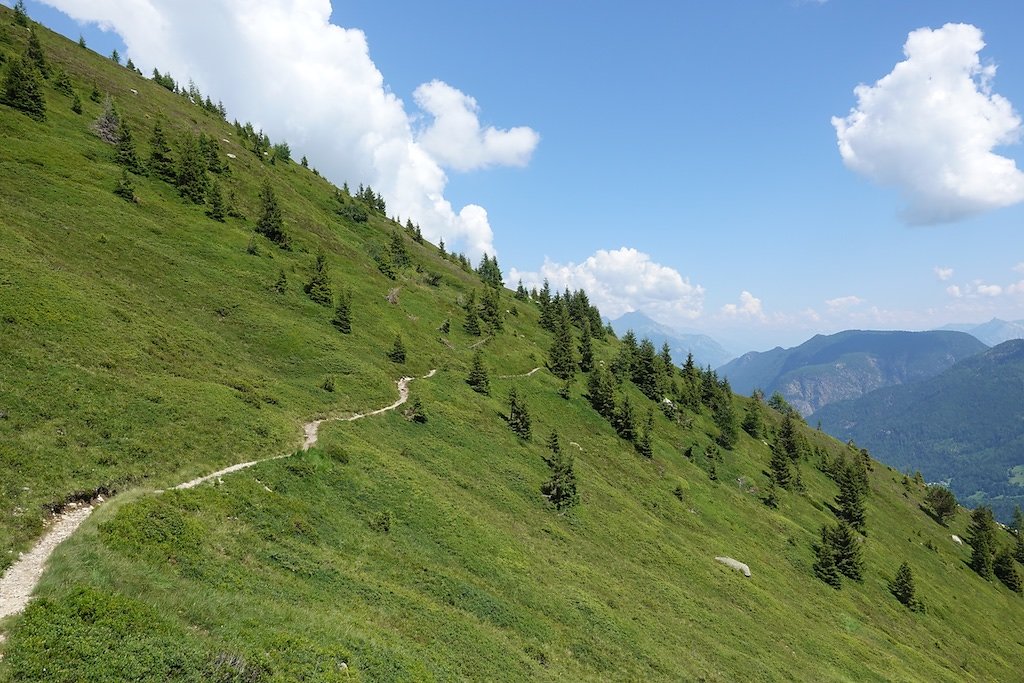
point(839, 550)
point(625, 360)
point(1005, 570)
point(941, 501)
point(779, 467)
point(771, 495)
point(490, 310)
point(62, 82)
point(343, 313)
point(281, 151)
point(645, 444)
point(624, 421)
point(381, 521)
point(521, 293)
point(472, 322)
point(328, 384)
point(304, 162)
point(35, 54)
point(489, 271)
point(397, 352)
point(789, 438)
point(416, 413)
point(23, 90)
point(725, 420)
point(211, 153)
point(161, 161)
point(560, 488)
point(164, 80)
point(1018, 531)
point(548, 314)
point(271, 224)
point(76, 104)
point(21, 15)
point(586, 348)
point(825, 562)
point(477, 378)
point(601, 392)
point(318, 287)
point(981, 535)
point(95, 94)
point(518, 414)
point(115, 57)
point(397, 251)
point(850, 499)
point(131, 65)
point(753, 421)
point(215, 200)
point(126, 156)
point(902, 587)
point(645, 370)
point(191, 177)
point(125, 188)
point(81, 40)
point(561, 360)
point(281, 284)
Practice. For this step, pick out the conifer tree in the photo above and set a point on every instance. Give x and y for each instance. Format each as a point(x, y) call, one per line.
point(81, 40)
point(126, 155)
point(586, 348)
point(343, 313)
point(547, 312)
point(560, 356)
point(941, 501)
point(161, 161)
point(192, 180)
point(560, 488)
point(771, 495)
point(518, 414)
point(553, 445)
point(779, 468)
point(753, 421)
point(472, 322)
point(981, 535)
point(477, 378)
point(645, 444)
point(846, 551)
point(850, 498)
point(281, 284)
point(824, 561)
point(416, 412)
point(397, 352)
point(725, 420)
point(490, 309)
point(62, 82)
point(20, 14)
point(271, 223)
point(125, 187)
point(1018, 529)
point(318, 287)
point(115, 57)
point(601, 392)
point(623, 421)
point(396, 247)
point(23, 90)
point(645, 370)
point(76, 103)
point(215, 199)
point(108, 124)
point(1004, 569)
point(902, 587)
point(521, 293)
point(36, 55)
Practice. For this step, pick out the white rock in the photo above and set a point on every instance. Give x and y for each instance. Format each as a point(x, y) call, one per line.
point(735, 564)
point(231, 156)
point(957, 539)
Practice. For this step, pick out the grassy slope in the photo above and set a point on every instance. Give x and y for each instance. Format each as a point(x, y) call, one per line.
point(118, 371)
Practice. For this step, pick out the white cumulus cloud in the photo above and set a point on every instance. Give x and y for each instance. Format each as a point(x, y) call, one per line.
point(928, 128)
point(282, 65)
point(843, 302)
point(621, 281)
point(456, 139)
point(943, 273)
point(1019, 268)
point(989, 290)
point(749, 306)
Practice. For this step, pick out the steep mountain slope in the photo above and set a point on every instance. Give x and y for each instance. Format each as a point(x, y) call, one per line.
point(145, 344)
point(845, 365)
point(964, 426)
point(706, 351)
point(995, 331)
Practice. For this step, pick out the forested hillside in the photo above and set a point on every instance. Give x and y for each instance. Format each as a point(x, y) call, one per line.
point(178, 295)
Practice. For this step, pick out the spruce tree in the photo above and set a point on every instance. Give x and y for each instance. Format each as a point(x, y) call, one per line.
point(753, 421)
point(560, 488)
point(23, 90)
point(1004, 569)
point(397, 352)
point(416, 412)
point(126, 155)
point(601, 392)
point(779, 468)
point(518, 414)
point(846, 551)
point(645, 444)
point(472, 322)
point(824, 560)
point(20, 14)
point(586, 348)
point(62, 82)
point(215, 199)
point(490, 309)
point(343, 313)
point(560, 356)
point(281, 284)
point(902, 586)
point(1018, 530)
point(36, 55)
point(624, 422)
point(161, 161)
point(108, 124)
point(191, 177)
point(318, 287)
point(76, 104)
point(125, 188)
point(521, 293)
point(850, 498)
point(645, 370)
point(981, 535)
point(271, 223)
point(725, 420)
point(477, 378)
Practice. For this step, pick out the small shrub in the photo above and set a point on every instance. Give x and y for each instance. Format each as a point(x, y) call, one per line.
point(328, 383)
point(381, 522)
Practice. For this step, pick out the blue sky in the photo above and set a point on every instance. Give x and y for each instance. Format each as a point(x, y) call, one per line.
point(692, 142)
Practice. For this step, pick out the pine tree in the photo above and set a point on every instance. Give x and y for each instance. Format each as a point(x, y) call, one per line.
point(36, 55)
point(725, 420)
point(472, 322)
point(521, 293)
point(518, 415)
point(753, 421)
point(586, 348)
point(1004, 569)
point(490, 309)
point(1018, 529)
point(343, 313)
point(416, 412)
point(126, 155)
point(601, 392)
point(396, 248)
point(779, 468)
point(161, 162)
point(645, 370)
point(216, 201)
point(623, 421)
point(941, 501)
point(125, 187)
point(95, 95)
point(846, 551)
point(645, 444)
point(397, 352)
point(981, 535)
point(771, 495)
point(20, 14)
point(547, 312)
point(115, 57)
point(560, 356)
point(553, 445)
point(23, 90)
point(76, 104)
point(318, 287)
point(62, 82)
point(281, 284)
point(902, 586)
point(271, 223)
point(824, 560)
point(560, 488)
point(191, 177)
point(478, 375)
point(850, 498)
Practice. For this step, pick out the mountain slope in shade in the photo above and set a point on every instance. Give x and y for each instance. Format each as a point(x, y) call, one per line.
point(964, 426)
point(995, 331)
point(706, 351)
point(846, 365)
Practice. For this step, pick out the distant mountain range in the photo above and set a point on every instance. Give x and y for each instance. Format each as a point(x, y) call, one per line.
point(705, 350)
point(847, 365)
point(995, 331)
point(964, 426)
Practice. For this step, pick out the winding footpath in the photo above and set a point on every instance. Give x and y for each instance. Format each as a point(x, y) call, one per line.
point(22, 577)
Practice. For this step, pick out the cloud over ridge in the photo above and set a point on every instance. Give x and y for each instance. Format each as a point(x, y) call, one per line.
point(285, 67)
point(928, 128)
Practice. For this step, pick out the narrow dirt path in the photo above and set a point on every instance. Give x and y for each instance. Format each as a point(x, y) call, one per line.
point(525, 374)
point(22, 577)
